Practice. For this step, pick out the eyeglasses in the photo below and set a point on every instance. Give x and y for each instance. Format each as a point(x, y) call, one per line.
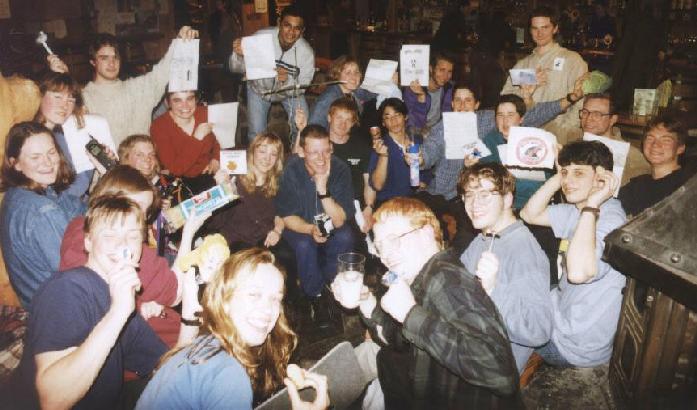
point(393, 240)
point(484, 196)
point(594, 115)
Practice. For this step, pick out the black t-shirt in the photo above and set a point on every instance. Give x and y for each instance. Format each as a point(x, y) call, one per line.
point(65, 310)
point(644, 192)
point(356, 153)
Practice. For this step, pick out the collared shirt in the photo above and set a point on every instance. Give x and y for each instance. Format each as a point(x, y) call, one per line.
point(457, 350)
point(297, 192)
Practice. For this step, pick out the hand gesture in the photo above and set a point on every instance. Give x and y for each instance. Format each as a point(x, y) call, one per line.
point(190, 303)
point(416, 88)
point(237, 47)
point(487, 268)
point(272, 238)
point(604, 186)
point(398, 300)
point(314, 380)
point(123, 284)
point(317, 235)
point(379, 147)
point(470, 160)
point(187, 33)
point(528, 90)
point(322, 179)
point(578, 86)
point(375, 132)
point(202, 130)
point(300, 119)
point(542, 77)
point(282, 74)
point(195, 222)
point(212, 168)
point(56, 65)
point(151, 309)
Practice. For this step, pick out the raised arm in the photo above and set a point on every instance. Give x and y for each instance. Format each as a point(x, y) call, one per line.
point(535, 211)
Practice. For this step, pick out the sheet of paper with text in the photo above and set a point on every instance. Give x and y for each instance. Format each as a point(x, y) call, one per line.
point(413, 64)
point(183, 71)
point(259, 57)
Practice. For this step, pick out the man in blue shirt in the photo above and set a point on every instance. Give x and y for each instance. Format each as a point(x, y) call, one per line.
point(315, 200)
point(586, 304)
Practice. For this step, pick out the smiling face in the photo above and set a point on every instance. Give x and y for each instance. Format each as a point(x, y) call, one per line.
point(442, 73)
point(484, 205)
point(143, 158)
point(56, 107)
point(256, 303)
point(401, 245)
point(107, 64)
point(109, 240)
point(265, 157)
point(597, 118)
point(289, 31)
point(39, 159)
point(317, 153)
point(506, 117)
point(577, 182)
point(340, 122)
point(661, 147)
point(542, 31)
point(393, 120)
point(464, 101)
point(182, 104)
point(351, 74)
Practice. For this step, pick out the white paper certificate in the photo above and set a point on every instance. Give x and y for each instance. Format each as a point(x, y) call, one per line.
point(461, 137)
point(183, 70)
point(234, 161)
point(525, 76)
point(378, 76)
point(259, 56)
point(413, 64)
point(530, 147)
point(529, 174)
point(224, 119)
point(620, 151)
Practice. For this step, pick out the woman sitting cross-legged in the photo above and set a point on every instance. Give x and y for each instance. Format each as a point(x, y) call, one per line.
point(242, 351)
point(36, 208)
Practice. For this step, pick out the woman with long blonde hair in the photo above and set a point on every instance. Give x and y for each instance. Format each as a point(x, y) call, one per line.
point(252, 220)
point(244, 343)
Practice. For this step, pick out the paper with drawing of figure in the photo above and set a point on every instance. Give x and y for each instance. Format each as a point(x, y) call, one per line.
point(183, 70)
point(224, 120)
point(461, 137)
point(378, 76)
point(519, 173)
point(620, 151)
point(413, 64)
point(259, 57)
point(530, 147)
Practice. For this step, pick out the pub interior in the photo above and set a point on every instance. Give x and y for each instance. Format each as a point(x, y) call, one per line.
point(341, 160)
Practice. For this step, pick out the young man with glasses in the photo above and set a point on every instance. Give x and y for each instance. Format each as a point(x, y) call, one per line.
point(598, 117)
point(445, 345)
point(507, 259)
point(586, 304)
point(295, 65)
point(315, 198)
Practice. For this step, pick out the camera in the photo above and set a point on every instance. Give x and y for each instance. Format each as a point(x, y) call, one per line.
point(324, 224)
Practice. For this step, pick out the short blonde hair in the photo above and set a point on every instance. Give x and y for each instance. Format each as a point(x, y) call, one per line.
point(413, 210)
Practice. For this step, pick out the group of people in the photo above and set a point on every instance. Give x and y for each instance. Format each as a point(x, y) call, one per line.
point(465, 308)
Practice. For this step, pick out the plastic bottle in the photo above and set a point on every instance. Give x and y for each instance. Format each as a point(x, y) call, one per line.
point(413, 152)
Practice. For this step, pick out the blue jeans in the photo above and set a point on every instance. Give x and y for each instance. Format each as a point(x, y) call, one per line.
point(258, 112)
point(317, 262)
point(552, 356)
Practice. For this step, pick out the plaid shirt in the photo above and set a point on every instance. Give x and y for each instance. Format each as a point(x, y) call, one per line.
point(454, 344)
point(447, 171)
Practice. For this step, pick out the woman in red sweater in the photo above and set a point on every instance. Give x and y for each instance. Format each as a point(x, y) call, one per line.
point(185, 143)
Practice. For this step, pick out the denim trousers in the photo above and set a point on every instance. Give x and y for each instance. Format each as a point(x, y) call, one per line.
point(317, 262)
point(258, 111)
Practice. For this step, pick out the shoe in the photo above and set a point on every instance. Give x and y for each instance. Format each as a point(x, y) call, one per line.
point(320, 313)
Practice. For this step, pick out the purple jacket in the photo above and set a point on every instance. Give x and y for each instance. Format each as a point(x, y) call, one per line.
point(419, 111)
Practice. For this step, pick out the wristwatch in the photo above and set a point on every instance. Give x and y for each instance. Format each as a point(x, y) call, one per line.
point(324, 195)
point(570, 98)
point(593, 210)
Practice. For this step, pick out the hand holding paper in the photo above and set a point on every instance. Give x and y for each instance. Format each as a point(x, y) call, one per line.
point(525, 76)
point(413, 63)
point(461, 137)
point(530, 147)
point(183, 71)
point(378, 76)
point(259, 58)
